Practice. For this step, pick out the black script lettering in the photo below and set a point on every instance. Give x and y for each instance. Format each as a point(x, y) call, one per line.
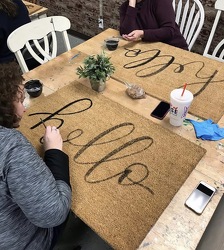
point(85, 101)
point(199, 66)
point(137, 63)
point(158, 68)
point(123, 133)
point(144, 142)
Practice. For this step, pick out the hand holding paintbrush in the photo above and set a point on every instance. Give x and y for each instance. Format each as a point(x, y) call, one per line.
point(52, 138)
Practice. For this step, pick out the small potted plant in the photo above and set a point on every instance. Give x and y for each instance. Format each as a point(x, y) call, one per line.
point(98, 69)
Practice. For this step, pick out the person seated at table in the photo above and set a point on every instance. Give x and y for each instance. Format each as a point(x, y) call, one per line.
point(151, 21)
point(35, 194)
point(13, 14)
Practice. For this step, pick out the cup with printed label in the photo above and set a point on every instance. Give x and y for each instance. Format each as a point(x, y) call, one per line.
point(179, 105)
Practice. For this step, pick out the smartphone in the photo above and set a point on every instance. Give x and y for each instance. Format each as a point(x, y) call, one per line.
point(200, 197)
point(161, 110)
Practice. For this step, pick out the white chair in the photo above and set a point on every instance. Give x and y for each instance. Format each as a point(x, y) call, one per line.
point(30, 35)
point(218, 53)
point(190, 17)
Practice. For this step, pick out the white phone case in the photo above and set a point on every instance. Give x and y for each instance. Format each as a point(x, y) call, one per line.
point(200, 197)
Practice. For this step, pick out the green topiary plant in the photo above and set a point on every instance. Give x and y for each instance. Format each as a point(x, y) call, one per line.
point(96, 68)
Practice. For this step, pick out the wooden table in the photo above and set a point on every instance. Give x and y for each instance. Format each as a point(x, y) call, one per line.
point(177, 227)
point(35, 11)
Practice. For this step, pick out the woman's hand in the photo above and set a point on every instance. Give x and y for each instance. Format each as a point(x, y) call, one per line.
point(52, 138)
point(134, 35)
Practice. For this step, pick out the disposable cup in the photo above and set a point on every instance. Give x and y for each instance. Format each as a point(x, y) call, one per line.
point(179, 106)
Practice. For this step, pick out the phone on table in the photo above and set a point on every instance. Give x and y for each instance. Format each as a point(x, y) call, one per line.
point(200, 197)
point(161, 110)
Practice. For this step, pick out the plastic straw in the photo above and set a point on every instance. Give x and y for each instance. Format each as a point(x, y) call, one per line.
point(185, 85)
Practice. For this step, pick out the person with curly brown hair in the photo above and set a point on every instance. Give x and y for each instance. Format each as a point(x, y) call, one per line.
point(35, 194)
point(150, 21)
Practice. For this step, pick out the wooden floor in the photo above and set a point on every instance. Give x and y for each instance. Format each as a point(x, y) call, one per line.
point(74, 41)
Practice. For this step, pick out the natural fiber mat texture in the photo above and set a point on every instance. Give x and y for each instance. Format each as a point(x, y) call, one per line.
point(124, 168)
point(160, 68)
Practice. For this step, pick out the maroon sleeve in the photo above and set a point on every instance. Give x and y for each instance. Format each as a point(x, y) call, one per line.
point(165, 16)
point(156, 18)
point(128, 18)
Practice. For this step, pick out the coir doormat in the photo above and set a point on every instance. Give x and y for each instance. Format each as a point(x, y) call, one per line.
point(160, 68)
point(124, 169)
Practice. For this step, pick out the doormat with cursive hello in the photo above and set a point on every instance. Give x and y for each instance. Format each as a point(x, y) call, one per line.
point(160, 68)
point(124, 169)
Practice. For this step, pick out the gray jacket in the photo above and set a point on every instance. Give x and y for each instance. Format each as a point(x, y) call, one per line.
point(35, 196)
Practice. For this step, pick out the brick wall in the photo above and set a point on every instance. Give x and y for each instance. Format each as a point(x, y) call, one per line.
point(84, 17)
